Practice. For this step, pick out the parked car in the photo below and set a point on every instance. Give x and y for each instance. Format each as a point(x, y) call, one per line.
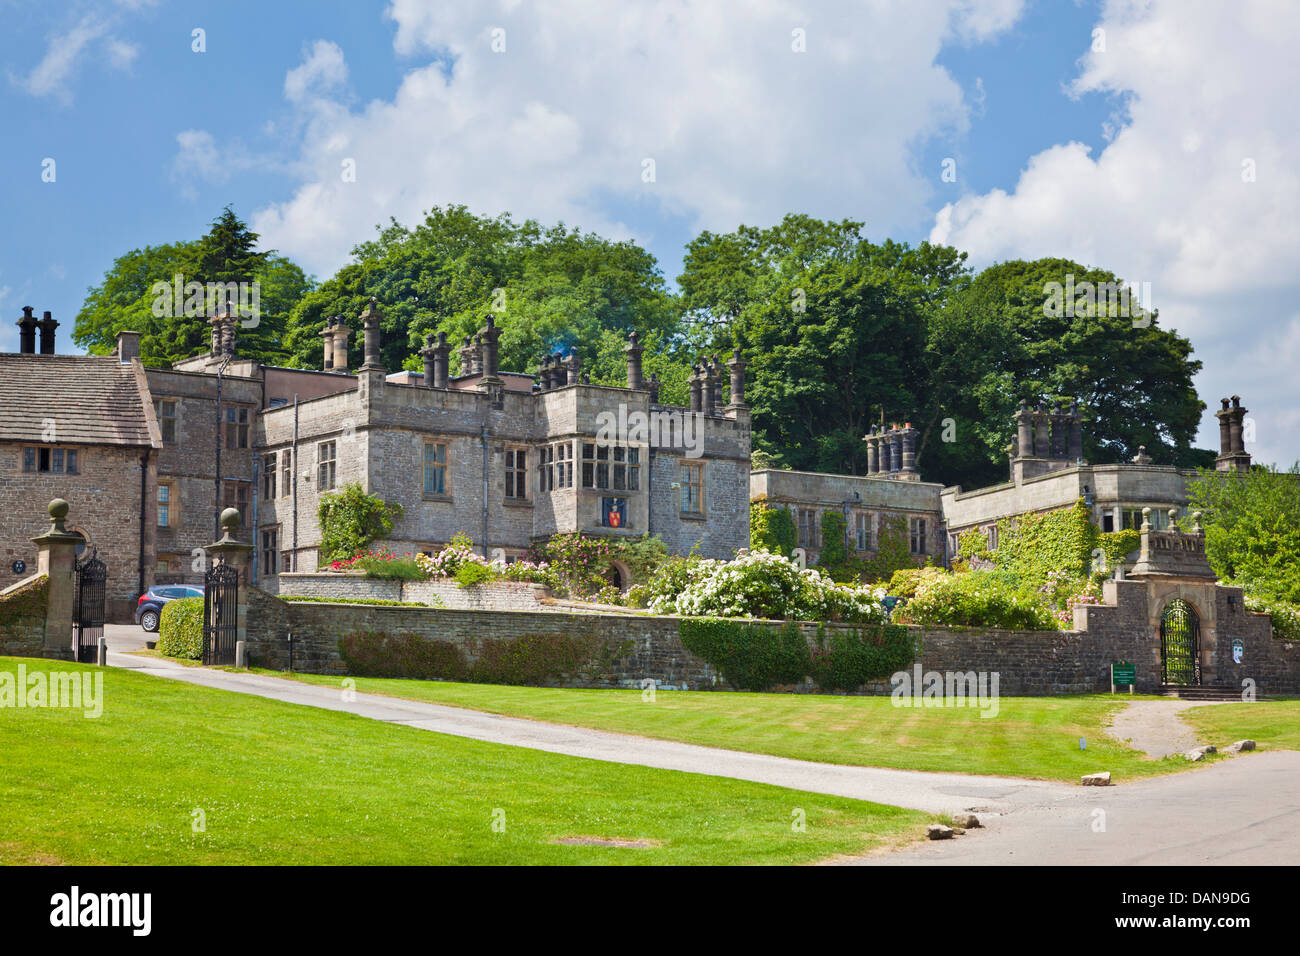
point(148, 610)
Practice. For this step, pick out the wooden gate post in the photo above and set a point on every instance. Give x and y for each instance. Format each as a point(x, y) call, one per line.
point(57, 558)
point(234, 554)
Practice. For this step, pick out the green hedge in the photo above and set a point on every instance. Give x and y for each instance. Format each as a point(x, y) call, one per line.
point(756, 657)
point(180, 629)
point(379, 654)
point(526, 659)
point(845, 660)
point(748, 656)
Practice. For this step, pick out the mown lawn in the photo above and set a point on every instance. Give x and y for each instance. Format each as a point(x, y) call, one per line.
point(1272, 724)
point(284, 784)
point(1029, 736)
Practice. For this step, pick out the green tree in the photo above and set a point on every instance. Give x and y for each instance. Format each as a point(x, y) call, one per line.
point(1252, 527)
point(551, 289)
point(126, 298)
point(998, 340)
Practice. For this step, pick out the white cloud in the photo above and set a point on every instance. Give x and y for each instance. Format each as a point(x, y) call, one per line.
point(740, 127)
point(323, 70)
point(1209, 92)
point(68, 52)
point(201, 158)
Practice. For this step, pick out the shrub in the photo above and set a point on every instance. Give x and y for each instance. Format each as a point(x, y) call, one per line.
point(533, 658)
point(180, 629)
point(977, 599)
point(473, 573)
point(379, 654)
point(350, 519)
point(845, 660)
point(382, 565)
point(748, 657)
point(905, 582)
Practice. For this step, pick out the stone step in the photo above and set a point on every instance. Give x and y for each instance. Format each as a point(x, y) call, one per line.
point(1224, 692)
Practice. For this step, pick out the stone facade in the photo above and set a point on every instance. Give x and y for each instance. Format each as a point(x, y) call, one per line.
point(865, 502)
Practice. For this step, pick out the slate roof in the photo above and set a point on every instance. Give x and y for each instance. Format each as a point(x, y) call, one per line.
point(94, 400)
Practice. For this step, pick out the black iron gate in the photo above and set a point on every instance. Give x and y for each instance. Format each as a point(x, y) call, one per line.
point(88, 611)
point(220, 614)
point(1180, 656)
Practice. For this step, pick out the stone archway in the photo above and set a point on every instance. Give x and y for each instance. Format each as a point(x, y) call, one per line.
point(619, 575)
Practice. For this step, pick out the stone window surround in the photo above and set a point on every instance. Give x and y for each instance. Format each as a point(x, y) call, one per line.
point(322, 485)
point(611, 462)
point(66, 466)
point(160, 407)
point(270, 475)
point(272, 565)
point(519, 472)
point(172, 505)
point(698, 467)
point(445, 464)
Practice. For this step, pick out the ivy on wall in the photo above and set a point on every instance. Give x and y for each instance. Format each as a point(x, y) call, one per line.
point(1035, 545)
point(771, 529)
point(893, 550)
point(26, 605)
point(351, 519)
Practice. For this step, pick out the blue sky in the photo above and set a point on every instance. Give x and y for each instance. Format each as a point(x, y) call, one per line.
point(1125, 157)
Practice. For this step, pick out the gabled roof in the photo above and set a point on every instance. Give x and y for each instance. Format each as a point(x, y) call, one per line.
point(93, 400)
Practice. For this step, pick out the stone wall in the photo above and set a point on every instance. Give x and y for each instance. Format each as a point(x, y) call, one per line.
point(641, 646)
point(491, 596)
point(105, 493)
point(22, 617)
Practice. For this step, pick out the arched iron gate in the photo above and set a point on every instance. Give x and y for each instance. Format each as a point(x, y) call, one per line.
point(1180, 644)
point(88, 610)
point(220, 614)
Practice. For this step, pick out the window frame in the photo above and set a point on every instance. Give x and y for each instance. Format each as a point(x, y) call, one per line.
point(165, 420)
point(323, 462)
point(686, 469)
point(516, 474)
point(438, 466)
point(270, 475)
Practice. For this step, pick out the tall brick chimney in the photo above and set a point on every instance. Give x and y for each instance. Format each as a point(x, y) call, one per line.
point(27, 332)
point(47, 325)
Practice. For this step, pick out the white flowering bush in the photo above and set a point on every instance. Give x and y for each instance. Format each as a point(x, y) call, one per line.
point(763, 585)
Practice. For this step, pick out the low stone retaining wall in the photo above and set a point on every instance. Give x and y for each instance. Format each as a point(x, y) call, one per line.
point(633, 648)
point(492, 595)
point(22, 617)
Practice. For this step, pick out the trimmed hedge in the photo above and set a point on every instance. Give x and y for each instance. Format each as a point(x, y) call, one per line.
point(379, 654)
point(748, 657)
point(753, 657)
point(180, 629)
point(526, 659)
point(845, 660)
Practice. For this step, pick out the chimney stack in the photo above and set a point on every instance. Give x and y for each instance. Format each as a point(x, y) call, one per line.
point(228, 334)
point(441, 350)
point(1232, 446)
point(27, 332)
point(370, 324)
point(653, 385)
point(573, 365)
point(466, 353)
point(341, 332)
point(128, 346)
point(737, 364)
point(633, 350)
point(488, 349)
point(696, 387)
point(327, 350)
point(47, 325)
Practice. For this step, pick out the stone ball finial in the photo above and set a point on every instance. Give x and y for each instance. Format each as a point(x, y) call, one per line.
point(1173, 516)
point(1196, 522)
point(58, 509)
point(230, 520)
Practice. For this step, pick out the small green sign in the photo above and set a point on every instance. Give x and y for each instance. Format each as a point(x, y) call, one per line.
point(1123, 674)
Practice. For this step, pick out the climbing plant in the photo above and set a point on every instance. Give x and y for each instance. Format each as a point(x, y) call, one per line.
point(350, 519)
point(771, 529)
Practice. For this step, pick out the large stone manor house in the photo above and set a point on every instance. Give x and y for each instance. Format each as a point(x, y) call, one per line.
point(149, 456)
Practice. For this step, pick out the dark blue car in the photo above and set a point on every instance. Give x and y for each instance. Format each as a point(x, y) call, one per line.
point(148, 609)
